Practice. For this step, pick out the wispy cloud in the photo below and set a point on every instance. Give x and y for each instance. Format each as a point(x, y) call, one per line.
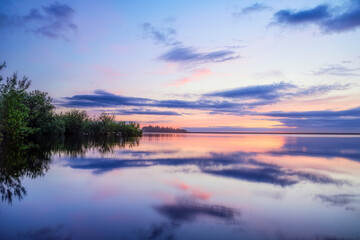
point(192, 55)
point(327, 120)
point(318, 90)
point(182, 54)
point(265, 92)
point(276, 91)
point(337, 70)
point(256, 7)
point(52, 21)
point(323, 124)
point(329, 19)
point(146, 112)
point(161, 36)
point(354, 112)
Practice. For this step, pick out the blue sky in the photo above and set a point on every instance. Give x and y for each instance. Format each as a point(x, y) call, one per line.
point(204, 65)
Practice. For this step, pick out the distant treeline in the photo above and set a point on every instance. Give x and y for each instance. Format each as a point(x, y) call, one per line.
point(163, 129)
point(26, 113)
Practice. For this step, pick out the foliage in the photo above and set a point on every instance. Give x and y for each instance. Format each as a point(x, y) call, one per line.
point(14, 113)
point(163, 129)
point(42, 118)
point(106, 124)
point(74, 121)
point(24, 113)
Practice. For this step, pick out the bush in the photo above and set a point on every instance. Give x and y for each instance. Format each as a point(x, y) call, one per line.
point(75, 121)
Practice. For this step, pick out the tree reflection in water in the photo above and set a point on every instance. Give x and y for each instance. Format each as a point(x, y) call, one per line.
point(21, 159)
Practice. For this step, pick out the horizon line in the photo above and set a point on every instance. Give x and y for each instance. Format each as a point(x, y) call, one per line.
point(290, 133)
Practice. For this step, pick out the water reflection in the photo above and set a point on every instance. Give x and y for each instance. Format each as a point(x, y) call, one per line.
point(331, 147)
point(187, 210)
point(31, 158)
point(20, 159)
point(181, 186)
point(237, 165)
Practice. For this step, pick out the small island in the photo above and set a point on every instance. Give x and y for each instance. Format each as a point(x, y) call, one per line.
point(163, 129)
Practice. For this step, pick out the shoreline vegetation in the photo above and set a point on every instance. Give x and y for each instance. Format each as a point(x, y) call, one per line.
point(25, 113)
point(159, 129)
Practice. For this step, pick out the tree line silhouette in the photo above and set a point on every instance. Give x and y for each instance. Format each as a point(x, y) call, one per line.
point(163, 129)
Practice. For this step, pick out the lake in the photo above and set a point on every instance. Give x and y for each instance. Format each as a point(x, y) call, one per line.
point(182, 186)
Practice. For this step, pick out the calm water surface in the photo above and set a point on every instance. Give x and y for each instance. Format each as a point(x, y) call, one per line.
point(182, 186)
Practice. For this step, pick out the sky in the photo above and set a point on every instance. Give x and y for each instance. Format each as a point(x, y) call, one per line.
point(284, 66)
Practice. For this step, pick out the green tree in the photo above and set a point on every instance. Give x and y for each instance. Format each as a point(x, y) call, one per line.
point(106, 123)
point(14, 113)
point(75, 120)
point(42, 118)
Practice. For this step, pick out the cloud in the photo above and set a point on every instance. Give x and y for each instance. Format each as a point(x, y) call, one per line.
point(236, 101)
point(34, 15)
point(180, 53)
point(104, 99)
point(275, 92)
point(160, 36)
point(319, 121)
point(337, 70)
point(256, 7)
point(348, 19)
point(195, 75)
point(323, 124)
point(354, 112)
point(146, 112)
point(313, 15)
point(319, 89)
point(329, 19)
point(52, 21)
point(264, 92)
point(191, 55)
point(196, 105)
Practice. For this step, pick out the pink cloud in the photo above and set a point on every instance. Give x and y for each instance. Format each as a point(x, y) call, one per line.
point(195, 76)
